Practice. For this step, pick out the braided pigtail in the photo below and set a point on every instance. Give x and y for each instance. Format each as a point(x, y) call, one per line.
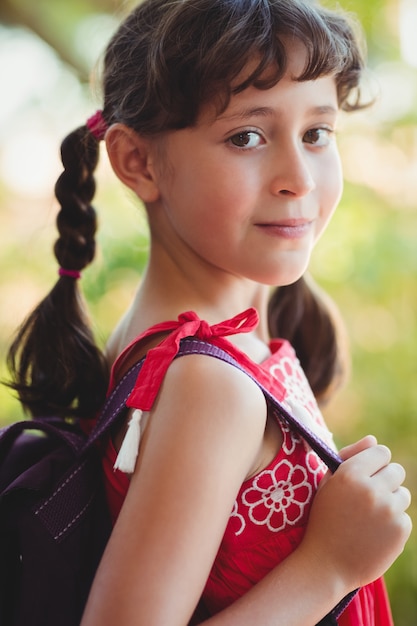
point(307, 317)
point(55, 365)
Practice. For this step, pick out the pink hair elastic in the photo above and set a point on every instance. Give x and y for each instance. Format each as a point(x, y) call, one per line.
point(70, 273)
point(97, 125)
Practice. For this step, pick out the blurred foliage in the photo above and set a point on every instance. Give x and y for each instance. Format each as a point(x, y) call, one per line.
point(367, 260)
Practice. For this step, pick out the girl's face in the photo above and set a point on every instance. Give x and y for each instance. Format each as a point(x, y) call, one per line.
point(250, 191)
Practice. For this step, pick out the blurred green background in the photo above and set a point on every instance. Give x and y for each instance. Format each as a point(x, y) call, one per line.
point(367, 260)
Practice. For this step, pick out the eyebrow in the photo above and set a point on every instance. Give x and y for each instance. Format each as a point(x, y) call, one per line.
point(270, 112)
point(245, 113)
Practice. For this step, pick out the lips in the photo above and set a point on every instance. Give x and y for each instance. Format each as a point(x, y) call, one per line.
point(288, 229)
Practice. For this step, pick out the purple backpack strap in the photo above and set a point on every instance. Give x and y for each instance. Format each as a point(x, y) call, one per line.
point(327, 455)
point(12, 431)
point(116, 404)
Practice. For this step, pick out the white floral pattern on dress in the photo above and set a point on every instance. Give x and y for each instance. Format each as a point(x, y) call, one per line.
point(288, 371)
point(240, 524)
point(278, 497)
point(316, 467)
point(298, 393)
point(290, 438)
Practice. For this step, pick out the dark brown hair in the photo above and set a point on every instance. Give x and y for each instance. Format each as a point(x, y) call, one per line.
point(168, 59)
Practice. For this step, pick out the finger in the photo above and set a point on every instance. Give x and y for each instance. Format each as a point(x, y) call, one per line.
point(369, 461)
point(403, 497)
point(406, 526)
point(390, 477)
point(354, 448)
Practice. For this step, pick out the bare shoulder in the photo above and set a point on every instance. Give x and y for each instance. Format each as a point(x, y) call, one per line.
point(209, 417)
point(212, 389)
point(201, 439)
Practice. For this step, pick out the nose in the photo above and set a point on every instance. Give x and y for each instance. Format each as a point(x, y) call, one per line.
point(292, 173)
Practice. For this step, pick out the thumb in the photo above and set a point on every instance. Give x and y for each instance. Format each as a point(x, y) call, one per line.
point(354, 448)
point(349, 451)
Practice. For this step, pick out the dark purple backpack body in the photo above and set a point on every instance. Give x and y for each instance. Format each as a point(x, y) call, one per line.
point(54, 525)
point(54, 518)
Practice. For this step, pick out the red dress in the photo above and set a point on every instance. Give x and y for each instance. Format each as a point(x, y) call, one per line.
point(271, 510)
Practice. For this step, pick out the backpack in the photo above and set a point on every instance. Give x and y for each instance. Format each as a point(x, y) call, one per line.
point(54, 518)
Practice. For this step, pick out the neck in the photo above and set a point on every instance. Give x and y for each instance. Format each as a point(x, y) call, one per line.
point(214, 295)
point(169, 288)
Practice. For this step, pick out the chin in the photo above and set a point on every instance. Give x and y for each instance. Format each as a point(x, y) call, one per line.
point(282, 279)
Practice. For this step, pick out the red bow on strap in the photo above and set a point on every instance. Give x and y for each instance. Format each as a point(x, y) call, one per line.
point(158, 359)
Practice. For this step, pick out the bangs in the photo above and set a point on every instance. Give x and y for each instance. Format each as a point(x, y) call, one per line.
point(184, 54)
point(329, 40)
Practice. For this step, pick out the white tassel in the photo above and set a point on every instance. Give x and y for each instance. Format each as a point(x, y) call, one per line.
point(128, 453)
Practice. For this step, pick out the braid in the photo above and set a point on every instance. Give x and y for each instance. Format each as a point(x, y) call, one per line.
point(55, 365)
point(308, 319)
point(160, 68)
point(75, 188)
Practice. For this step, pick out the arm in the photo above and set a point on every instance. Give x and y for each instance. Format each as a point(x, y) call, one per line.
point(357, 528)
point(166, 539)
point(200, 443)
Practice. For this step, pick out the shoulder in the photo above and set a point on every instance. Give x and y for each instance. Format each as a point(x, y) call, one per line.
point(199, 444)
point(213, 404)
point(208, 382)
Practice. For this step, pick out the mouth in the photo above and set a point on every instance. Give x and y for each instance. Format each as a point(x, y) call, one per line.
point(287, 229)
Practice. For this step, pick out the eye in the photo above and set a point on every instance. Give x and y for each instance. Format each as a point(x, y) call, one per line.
point(246, 139)
point(318, 136)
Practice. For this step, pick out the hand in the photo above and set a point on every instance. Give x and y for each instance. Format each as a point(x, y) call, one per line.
point(358, 525)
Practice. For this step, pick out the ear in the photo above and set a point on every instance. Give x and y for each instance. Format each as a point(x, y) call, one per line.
point(130, 157)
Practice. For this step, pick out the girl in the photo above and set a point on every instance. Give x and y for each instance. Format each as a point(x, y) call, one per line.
point(220, 115)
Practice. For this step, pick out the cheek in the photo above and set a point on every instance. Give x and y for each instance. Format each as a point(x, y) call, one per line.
point(332, 187)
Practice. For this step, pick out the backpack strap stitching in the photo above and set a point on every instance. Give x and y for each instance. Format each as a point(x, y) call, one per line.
point(60, 488)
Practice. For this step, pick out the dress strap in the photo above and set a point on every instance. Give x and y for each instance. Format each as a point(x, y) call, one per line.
point(159, 358)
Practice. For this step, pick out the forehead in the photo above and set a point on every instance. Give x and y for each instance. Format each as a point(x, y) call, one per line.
point(318, 95)
point(297, 60)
